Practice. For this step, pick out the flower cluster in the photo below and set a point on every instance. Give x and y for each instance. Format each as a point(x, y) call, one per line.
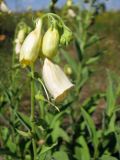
point(45, 46)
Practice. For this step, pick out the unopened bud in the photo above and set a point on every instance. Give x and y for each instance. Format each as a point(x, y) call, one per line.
point(50, 43)
point(66, 36)
point(68, 70)
point(21, 35)
point(69, 3)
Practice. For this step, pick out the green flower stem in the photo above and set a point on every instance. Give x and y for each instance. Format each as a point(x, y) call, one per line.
point(54, 15)
point(33, 111)
point(13, 102)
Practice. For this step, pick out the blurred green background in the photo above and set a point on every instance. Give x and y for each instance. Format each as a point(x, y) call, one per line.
point(106, 25)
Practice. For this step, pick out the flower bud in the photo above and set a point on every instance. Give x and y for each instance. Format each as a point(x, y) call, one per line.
point(31, 45)
point(66, 36)
point(21, 35)
point(50, 43)
point(56, 81)
point(69, 3)
point(68, 70)
point(71, 13)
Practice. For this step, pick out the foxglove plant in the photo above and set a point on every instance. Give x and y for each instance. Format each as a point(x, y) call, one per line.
point(35, 46)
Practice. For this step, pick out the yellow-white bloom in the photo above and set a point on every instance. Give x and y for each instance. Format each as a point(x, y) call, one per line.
point(17, 48)
point(4, 7)
point(71, 13)
point(21, 35)
point(69, 3)
point(31, 45)
point(55, 80)
point(50, 42)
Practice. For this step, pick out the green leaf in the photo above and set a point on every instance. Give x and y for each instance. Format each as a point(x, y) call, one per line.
point(111, 125)
point(70, 61)
point(40, 97)
point(4, 151)
point(59, 132)
point(117, 135)
point(56, 118)
point(11, 145)
point(91, 128)
point(93, 40)
point(82, 152)
point(46, 149)
point(59, 155)
point(78, 154)
point(79, 52)
point(92, 60)
point(24, 134)
point(107, 157)
point(46, 156)
point(111, 96)
point(24, 119)
point(84, 77)
point(27, 157)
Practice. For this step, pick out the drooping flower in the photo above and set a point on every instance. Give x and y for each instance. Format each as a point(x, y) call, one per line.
point(55, 80)
point(31, 45)
point(50, 42)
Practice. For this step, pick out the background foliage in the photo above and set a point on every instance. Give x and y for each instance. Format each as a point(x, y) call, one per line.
point(87, 126)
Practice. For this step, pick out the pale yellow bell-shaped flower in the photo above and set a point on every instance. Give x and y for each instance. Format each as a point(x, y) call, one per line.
point(31, 45)
point(55, 80)
point(50, 42)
